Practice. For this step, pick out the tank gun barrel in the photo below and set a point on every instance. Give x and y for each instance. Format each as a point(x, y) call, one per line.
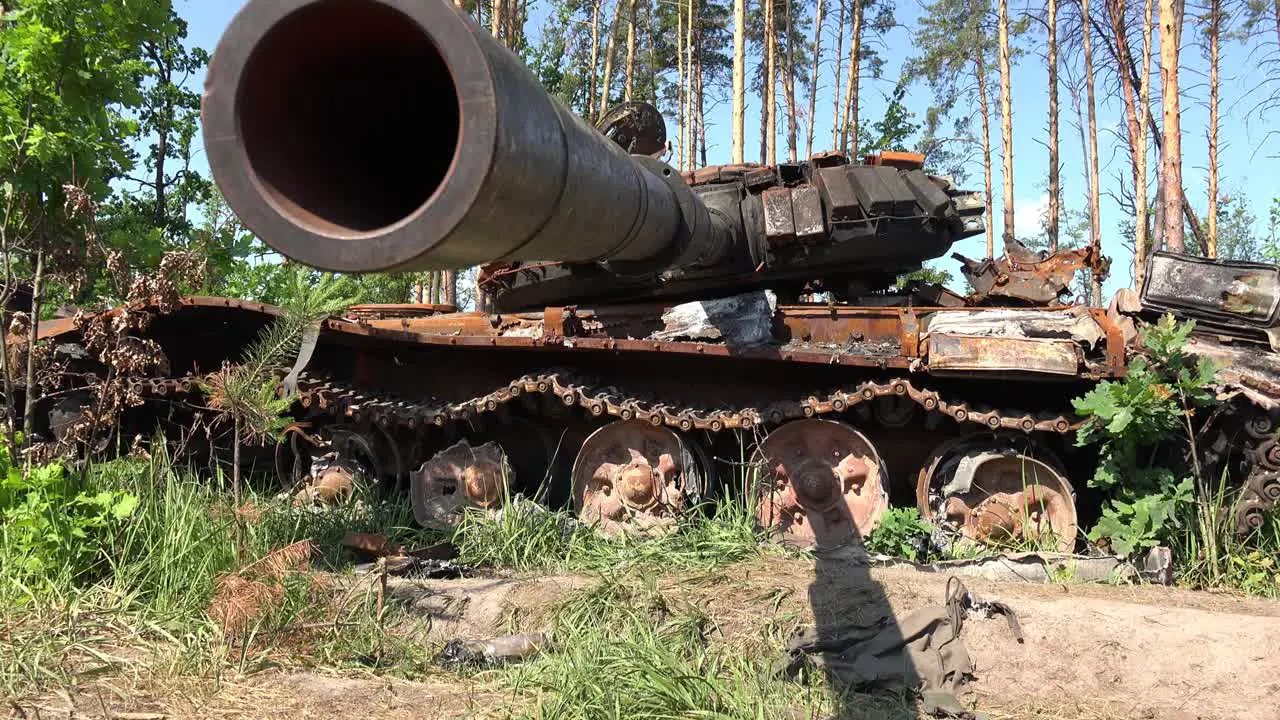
point(374, 135)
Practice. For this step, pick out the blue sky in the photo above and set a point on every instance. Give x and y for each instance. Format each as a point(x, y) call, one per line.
point(1247, 153)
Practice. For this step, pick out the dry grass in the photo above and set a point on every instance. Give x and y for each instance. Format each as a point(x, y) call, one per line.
point(244, 598)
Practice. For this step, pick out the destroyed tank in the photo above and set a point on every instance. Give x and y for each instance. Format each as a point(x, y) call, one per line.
point(655, 339)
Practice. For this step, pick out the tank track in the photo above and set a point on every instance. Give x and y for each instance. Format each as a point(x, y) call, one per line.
point(605, 401)
point(346, 402)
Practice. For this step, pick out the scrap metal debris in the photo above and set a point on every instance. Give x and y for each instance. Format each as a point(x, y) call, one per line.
point(922, 651)
point(492, 652)
point(745, 319)
point(1026, 275)
point(1076, 324)
point(432, 562)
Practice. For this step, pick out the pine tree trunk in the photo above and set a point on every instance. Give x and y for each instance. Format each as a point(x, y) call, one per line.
point(688, 94)
point(451, 287)
point(789, 86)
point(1215, 30)
point(849, 124)
point(1006, 122)
point(771, 83)
point(651, 14)
point(835, 110)
point(739, 80)
point(631, 51)
point(608, 60)
point(984, 105)
point(681, 119)
point(1141, 238)
point(1171, 154)
point(702, 115)
point(495, 18)
point(1055, 183)
point(1095, 230)
point(595, 57)
point(813, 81)
point(1124, 58)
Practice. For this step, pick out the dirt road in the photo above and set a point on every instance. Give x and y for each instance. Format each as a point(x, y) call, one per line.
point(1090, 651)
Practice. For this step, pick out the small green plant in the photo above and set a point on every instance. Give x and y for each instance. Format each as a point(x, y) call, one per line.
point(900, 533)
point(51, 524)
point(1143, 427)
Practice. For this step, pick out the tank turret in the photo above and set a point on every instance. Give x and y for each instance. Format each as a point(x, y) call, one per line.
point(369, 135)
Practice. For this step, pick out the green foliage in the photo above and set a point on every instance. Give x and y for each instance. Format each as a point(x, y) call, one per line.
point(900, 533)
point(1138, 423)
point(894, 130)
point(246, 392)
point(929, 274)
point(1236, 238)
point(526, 536)
point(53, 528)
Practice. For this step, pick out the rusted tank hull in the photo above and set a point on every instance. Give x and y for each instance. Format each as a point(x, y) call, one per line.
point(414, 400)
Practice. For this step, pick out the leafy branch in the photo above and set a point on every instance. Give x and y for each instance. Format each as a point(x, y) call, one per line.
point(1143, 426)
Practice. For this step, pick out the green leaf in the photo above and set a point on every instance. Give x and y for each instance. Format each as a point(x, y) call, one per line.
point(125, 507)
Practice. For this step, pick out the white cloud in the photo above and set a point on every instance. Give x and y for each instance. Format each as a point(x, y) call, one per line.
point(1027, 216)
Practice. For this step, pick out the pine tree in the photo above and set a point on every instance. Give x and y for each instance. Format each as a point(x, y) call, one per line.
point(1095, 219)
point(629, 79)
point(953, 40)
point(1171, 151)
point(1055, 184)
point(837, 85)
point(739, 79)
point(813, 81)
point(1006, 121)
point(1213, 38)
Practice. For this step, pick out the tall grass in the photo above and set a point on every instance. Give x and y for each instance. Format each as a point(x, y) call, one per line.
point(525, 536)
point(150, 584)
point(1210, 554)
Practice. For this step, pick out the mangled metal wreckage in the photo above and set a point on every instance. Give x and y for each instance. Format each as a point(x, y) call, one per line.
point(653, 342)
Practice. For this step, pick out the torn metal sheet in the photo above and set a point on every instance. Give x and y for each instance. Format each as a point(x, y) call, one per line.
point(492, 652)
point(1026, 275)
point(1243, 369)
point(745, 319)
point(1075, 324)
point(1029, 567)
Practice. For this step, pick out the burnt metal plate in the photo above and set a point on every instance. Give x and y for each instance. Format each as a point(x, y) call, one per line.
point(1003, 354)
point(779, 223)
point(1223, 291)
point(837, 191)
point(806, 210)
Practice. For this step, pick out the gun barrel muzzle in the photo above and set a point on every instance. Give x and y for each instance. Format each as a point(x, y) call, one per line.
point(376, 135)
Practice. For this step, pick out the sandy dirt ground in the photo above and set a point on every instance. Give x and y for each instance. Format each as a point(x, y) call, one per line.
point(1090, 651)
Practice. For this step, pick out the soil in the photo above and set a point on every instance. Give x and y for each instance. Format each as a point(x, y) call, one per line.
point(1090, 651)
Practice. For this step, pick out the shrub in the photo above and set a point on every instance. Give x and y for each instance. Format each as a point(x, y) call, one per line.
point(53, 529)
point(901, 533)
point(1143, 427)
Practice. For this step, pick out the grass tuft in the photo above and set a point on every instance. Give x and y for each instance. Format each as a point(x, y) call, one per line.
point(525, 536)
